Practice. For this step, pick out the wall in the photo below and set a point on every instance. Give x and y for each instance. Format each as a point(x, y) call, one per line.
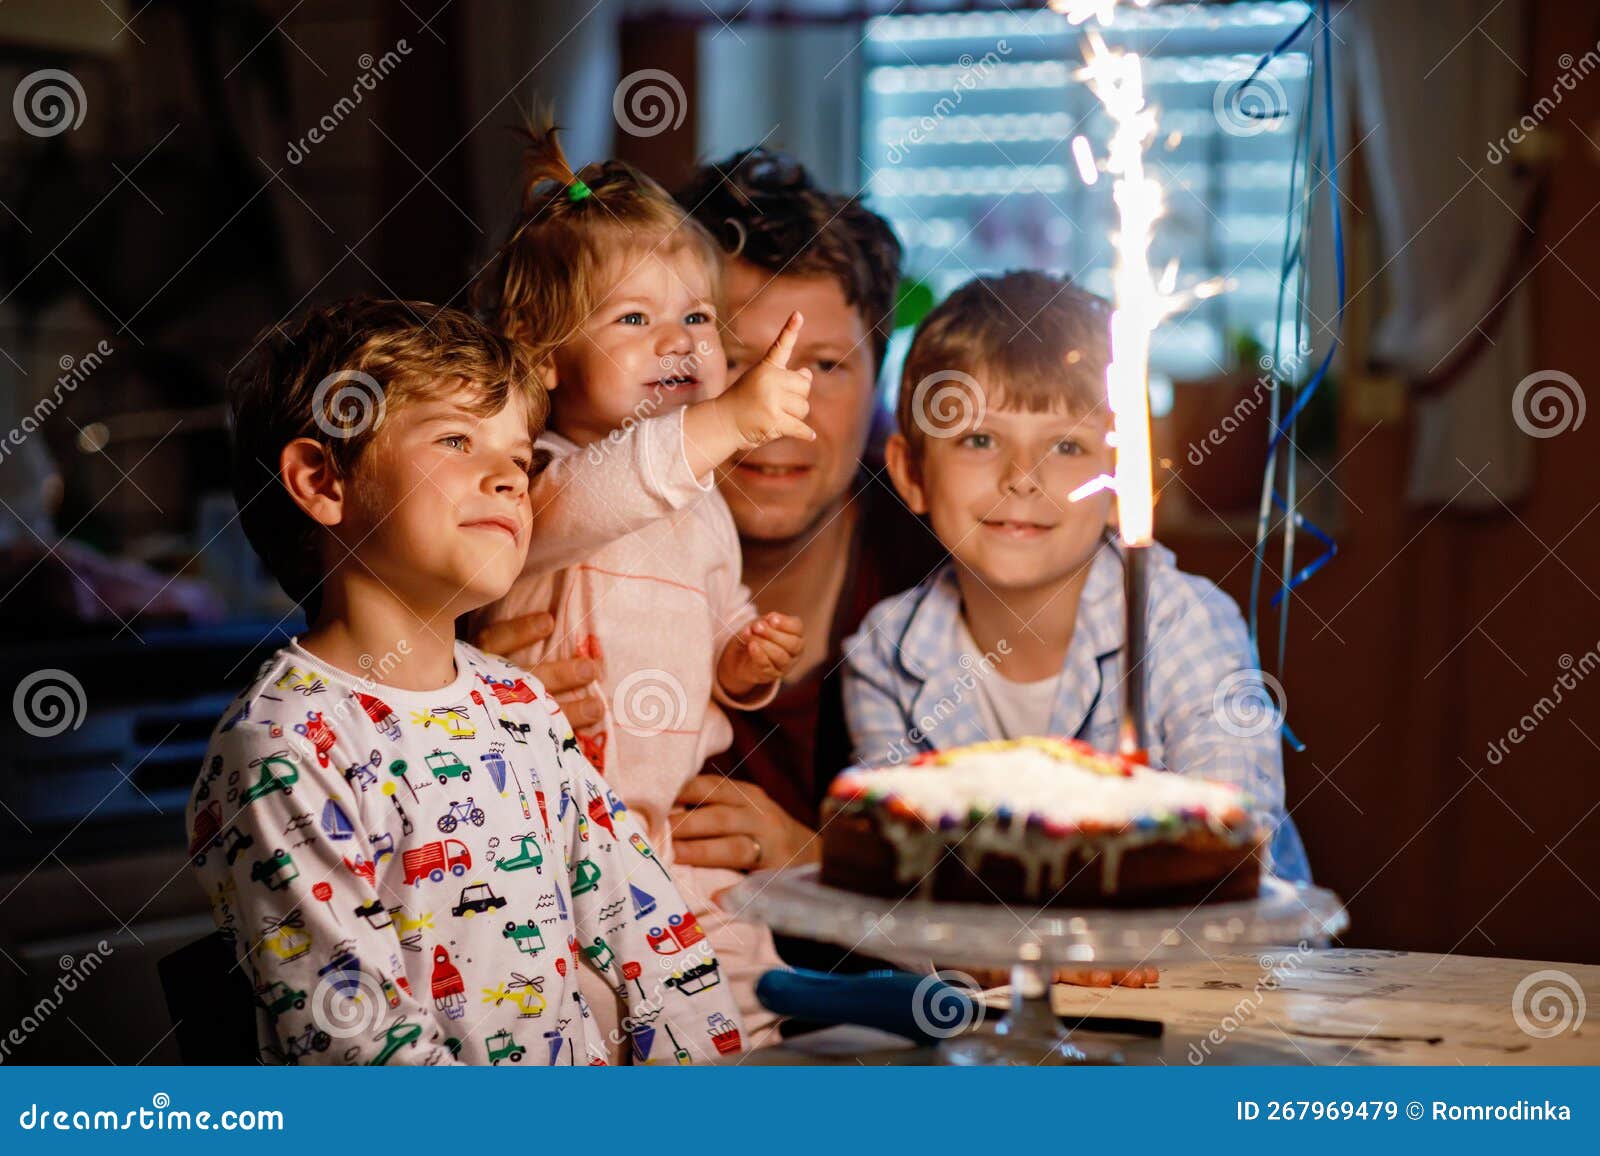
point(1433, 632)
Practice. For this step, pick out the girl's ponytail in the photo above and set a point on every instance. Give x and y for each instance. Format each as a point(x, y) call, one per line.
point(545, 168)
point(545, 280)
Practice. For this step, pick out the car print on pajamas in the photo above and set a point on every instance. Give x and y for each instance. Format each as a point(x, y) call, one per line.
point(681, 931)
point(278, 997)
point(208, 836)
point(527, 936)
point(502, 1046)
point(375, 913)
point(432, 860)
point(444, 766)
point(476, 898)
point(277, 871)
point(207, 832)
point(696, 979)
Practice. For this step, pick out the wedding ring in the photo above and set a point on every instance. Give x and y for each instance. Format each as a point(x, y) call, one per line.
point(760, 852)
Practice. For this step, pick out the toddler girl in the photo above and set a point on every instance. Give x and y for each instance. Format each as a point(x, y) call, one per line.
point(633, 550)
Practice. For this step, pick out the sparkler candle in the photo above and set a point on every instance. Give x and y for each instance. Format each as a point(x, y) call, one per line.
point(1139, 302)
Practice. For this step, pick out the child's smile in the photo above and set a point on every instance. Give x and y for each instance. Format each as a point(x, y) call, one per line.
point(452, 526)
point(650, 345)
point(996, 494)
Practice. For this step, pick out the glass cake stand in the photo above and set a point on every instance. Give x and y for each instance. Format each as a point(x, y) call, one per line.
point(1031, 942)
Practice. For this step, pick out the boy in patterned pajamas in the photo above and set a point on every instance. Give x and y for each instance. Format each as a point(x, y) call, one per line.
point(400, 834)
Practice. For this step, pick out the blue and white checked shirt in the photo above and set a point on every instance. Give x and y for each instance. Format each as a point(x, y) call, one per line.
point(910, 686)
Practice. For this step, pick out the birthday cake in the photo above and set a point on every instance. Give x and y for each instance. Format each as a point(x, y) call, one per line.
point(1039, 821)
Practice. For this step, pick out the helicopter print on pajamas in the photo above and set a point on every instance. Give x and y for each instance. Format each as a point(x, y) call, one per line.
point(449, 929)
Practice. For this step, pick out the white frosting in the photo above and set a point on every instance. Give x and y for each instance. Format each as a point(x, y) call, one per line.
point(1004, 785)
point(1031, 781)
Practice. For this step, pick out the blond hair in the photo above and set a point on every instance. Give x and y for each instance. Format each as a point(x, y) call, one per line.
point(547, 278)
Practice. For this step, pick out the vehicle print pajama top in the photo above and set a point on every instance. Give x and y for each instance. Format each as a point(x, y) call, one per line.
point(416, 877)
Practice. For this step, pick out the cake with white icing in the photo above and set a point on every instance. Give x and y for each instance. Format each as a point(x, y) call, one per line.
point(1040, 821)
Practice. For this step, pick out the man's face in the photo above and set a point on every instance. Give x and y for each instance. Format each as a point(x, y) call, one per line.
point(438, 507)
point(786, 487)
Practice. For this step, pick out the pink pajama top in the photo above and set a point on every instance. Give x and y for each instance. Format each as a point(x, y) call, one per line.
point(638, 561)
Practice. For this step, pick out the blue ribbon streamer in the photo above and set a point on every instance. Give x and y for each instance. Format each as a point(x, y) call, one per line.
point(1282, 437)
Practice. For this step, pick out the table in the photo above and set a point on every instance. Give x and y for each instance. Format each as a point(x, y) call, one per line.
point(1283, 1005)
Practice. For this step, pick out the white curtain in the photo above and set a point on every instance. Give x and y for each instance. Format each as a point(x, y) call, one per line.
point(1437, 83)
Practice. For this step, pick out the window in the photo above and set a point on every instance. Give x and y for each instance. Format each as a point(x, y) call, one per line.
point(968, 121)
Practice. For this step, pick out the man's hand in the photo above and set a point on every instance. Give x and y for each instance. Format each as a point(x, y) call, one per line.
point(759, 654)
point(768, 402)
point(570, 681)
point(717, 822)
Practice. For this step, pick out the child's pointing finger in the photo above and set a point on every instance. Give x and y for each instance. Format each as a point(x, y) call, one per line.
point(781, 348)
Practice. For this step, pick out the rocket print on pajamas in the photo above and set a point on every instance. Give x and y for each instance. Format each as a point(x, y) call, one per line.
point(417, 877)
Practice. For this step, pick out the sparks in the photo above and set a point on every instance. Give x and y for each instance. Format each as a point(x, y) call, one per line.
point(1083, 153)
point(1138, 304)
point(1139, 300)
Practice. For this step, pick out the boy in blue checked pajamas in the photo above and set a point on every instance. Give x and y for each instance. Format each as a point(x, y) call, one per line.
point(1002, 414)
point(400, 833)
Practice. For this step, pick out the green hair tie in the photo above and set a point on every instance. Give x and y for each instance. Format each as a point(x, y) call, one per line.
point(577, 190)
